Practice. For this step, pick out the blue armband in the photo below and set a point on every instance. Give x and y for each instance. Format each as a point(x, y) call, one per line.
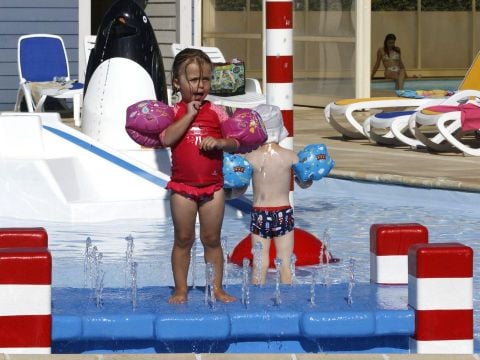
point(314, 163)
point(237, 172)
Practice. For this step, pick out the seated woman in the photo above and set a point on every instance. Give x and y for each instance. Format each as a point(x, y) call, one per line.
point(390, 55)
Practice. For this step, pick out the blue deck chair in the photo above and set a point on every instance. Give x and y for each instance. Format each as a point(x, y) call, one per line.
point(43, 70)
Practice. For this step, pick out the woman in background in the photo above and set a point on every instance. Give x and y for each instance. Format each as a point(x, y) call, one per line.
point(390, 56)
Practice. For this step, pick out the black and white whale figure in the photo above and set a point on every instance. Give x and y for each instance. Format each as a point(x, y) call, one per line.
point(125, 67)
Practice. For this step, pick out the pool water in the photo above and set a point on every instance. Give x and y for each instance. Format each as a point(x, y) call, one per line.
point(344, 209)
point(420, 84)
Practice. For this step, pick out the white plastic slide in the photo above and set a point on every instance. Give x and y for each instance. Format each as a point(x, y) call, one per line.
point(51, 171)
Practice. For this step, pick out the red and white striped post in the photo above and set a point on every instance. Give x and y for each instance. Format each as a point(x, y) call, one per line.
point(440, 289)
point(25, 291)
point(389, 245)
point(279, 61)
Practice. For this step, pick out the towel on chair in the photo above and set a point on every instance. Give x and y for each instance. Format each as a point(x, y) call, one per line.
point(470, 114)
point(420, 94)
point(50, 88)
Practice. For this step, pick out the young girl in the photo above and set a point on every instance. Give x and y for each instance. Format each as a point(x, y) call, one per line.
point(197, 180)
point(390, 55)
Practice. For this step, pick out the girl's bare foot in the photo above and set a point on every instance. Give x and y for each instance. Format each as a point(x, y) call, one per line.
point(222, 296)
point(178, 297)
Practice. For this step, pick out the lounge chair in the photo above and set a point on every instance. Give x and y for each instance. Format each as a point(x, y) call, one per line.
point(253, 92)
point(44, 71)
point(447, 125)
point(88, 45)
point(345, 108)
point(452, 122)
point(401, 128)
point(395, 125)
point(390, 122)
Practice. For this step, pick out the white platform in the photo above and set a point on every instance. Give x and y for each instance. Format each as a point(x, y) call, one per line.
point(53, 172)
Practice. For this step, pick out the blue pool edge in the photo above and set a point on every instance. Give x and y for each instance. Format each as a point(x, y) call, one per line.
point(295, 325)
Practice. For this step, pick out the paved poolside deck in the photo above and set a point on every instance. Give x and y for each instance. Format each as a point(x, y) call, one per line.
point(359, 159)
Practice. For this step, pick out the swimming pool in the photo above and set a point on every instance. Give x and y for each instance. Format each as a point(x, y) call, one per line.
point(345, 208)
point(420, 84)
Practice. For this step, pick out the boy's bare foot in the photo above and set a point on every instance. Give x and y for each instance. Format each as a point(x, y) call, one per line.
point(222, 296)
point(178, 297)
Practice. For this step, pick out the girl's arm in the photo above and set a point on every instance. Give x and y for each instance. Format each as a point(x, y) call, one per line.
point(377, 62)
point(225, 144)
point(400, 62)
point(175, 131)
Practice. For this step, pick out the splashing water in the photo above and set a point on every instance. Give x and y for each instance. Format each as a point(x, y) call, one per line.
point(245, 282)
point(134, 285)
point(98, 277)
point(257, 262)
point(351, 280)
point(210, 285)
point(193, 263)
point(226, 264)
point(293, 260)
point(325, 258)
point(277, 299)
point(128, 259)
point(87, 261)
point(313, 284)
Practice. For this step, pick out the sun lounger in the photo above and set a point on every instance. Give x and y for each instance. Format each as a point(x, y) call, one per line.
point(344, 109)
point(44, 71)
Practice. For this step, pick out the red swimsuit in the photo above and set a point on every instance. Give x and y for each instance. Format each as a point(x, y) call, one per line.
point(197, 174)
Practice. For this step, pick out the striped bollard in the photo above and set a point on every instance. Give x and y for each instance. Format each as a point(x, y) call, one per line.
point(389, 245)
point(279, 61)
point(279, 64)
point(440, 290)
point(25, 291)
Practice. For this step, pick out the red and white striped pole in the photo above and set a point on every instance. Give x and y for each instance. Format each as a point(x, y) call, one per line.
point(25, 291)
point(279, 61)
point(440, 290)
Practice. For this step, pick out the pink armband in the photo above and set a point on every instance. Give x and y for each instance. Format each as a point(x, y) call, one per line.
point(245, 126)
point(146, 120)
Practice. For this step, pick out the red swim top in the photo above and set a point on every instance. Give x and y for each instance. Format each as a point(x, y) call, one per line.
point(190, 165)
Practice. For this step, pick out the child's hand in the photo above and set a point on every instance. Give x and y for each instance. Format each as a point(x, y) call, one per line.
point(303, 184)
point(210, 143)
point(193, 107)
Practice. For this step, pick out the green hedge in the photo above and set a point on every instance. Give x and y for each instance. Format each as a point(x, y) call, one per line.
point(427, 5)
point(256, 5)
point(346, 5)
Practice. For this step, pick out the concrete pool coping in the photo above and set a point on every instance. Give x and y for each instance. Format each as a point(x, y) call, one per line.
point(413, 181)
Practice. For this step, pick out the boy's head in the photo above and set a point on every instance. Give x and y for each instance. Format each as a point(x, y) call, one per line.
point(272, 118)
